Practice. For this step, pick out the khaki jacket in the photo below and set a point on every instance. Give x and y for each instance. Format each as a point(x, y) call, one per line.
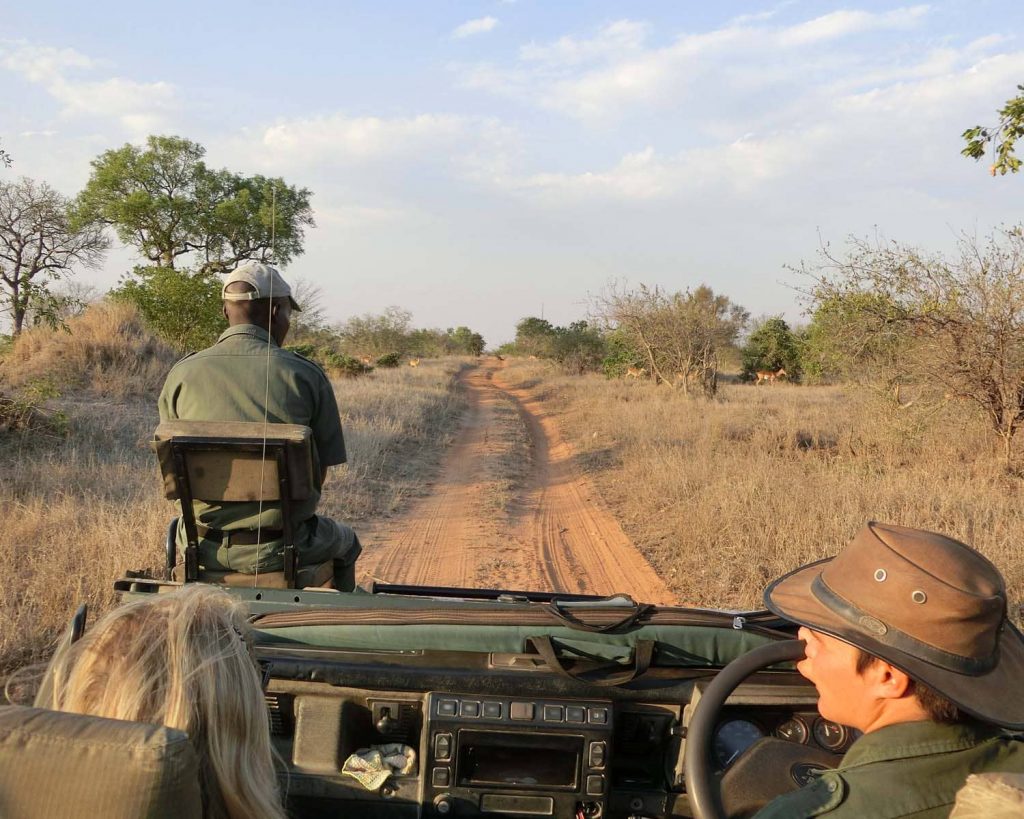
point(228, 382)
point(913, 769)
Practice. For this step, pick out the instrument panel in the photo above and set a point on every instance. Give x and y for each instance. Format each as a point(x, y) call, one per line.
point(741, 729)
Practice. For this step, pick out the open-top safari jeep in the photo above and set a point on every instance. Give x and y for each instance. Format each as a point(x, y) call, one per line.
point(516, 703)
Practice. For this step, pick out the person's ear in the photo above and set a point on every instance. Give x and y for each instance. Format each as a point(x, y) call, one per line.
point(273, 310)
point(224, 311)
point(887, 681)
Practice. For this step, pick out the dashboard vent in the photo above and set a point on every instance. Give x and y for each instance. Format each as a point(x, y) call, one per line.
point(281, 709)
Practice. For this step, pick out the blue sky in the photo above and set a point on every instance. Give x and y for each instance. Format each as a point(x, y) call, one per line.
point(477, 162)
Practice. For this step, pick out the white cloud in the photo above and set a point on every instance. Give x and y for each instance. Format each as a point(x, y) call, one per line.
point(139, 107)
point(899, 136)
point(602, 76)
point(843, 23)
point(480, 25)
point(339, 138)
point(614, 39)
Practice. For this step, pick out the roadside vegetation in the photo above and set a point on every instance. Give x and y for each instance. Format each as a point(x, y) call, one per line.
point(79, 489)
point(723, 496)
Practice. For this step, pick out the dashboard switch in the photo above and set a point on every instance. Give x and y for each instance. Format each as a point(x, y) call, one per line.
point(575, 713)
point(595, 785)
point(471, 708)
point(439, 777)
point(521, 710)
point(492, 710)
point(554, 713)
point(597, 754)
point(598, 716)
point(447, 708)
point(443, 747)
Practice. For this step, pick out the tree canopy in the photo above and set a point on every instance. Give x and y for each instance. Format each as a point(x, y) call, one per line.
point(677, 336)
point(771, 346)
point(1001, 137)
point(952, 325)
point(38, 245)
point(163, 200)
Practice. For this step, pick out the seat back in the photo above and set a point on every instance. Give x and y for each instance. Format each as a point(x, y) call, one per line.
point(55, 764)
point(225, 462)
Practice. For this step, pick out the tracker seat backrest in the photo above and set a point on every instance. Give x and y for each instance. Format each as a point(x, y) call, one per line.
point(225, 462)
point(55, 764)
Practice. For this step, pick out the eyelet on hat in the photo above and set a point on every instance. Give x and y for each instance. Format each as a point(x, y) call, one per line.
point(880, 575)
point(919, 596)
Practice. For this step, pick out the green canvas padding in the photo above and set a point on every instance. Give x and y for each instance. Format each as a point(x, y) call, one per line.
point(686, 646)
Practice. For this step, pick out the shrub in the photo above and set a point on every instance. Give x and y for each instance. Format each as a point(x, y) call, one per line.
point(390, 360)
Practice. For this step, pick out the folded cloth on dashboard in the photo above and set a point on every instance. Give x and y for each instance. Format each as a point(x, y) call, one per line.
point(371, 767)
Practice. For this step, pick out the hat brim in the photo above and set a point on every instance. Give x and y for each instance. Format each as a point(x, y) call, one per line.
point(294, 304)
point(993, 697)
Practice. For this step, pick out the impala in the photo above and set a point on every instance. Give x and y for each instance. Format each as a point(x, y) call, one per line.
point(414, 362)
point(635, 372)
point(770, 376)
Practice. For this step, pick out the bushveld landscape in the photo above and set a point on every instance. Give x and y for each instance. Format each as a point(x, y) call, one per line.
point(718, 495)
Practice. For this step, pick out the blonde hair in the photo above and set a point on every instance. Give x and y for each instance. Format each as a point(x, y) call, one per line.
point(184, 660)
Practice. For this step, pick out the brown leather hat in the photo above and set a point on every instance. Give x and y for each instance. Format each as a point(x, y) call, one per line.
point(924, 602)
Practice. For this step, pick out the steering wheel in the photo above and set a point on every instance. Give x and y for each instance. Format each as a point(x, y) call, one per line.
point(701, 786)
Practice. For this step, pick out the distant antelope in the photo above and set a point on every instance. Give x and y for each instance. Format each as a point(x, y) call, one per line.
point(635, 372)
point(769, 376)
point(365, 359)
point(414, 362)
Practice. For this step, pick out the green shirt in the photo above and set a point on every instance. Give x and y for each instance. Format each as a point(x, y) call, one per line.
point(912, 769)
point(228, 382)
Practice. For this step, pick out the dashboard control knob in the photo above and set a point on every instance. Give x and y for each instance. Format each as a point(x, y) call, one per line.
point(443, 804)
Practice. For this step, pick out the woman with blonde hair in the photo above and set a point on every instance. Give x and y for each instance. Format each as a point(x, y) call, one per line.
point(183, 660)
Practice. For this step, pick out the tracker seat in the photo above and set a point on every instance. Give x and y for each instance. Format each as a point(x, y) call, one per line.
point(57, 764)
point(225, 462)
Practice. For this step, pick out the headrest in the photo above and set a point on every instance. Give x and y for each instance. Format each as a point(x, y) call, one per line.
point(59, 764)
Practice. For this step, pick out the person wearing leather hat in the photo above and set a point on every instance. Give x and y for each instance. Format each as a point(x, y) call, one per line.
point(908, 640)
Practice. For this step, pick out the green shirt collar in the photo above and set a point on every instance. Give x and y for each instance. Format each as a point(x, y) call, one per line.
point(247, 330)
point(909, 739)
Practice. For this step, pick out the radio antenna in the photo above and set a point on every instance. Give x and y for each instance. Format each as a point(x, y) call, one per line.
point(266, 389)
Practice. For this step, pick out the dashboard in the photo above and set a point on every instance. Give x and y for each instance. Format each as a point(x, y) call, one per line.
point(487, 750)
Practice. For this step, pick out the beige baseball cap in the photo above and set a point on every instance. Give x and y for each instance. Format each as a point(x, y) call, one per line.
point(265, 280)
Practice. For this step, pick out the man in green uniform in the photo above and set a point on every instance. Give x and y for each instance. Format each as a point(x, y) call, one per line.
point(247, 376)
point(908, 641)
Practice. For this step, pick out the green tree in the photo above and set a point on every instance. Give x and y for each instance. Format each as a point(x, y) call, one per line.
point(39, 245)
point(580, 347)
point(854, 335)
point(950, 324)
point(464, 341)
point(677, 336)
point(164, 201)
point(771, 346)
point(1001, 137)
point(181, 307)
point(535, 336)
point(373, 335)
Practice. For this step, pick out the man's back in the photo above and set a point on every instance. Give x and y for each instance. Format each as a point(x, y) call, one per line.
point(245, 376)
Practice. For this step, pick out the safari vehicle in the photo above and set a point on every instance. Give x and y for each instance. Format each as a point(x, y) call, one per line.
point(516, 703)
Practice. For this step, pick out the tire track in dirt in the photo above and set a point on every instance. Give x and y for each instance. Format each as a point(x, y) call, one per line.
point(557, 536)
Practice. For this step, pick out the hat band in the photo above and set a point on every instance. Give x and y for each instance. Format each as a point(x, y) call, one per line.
point(886, 634)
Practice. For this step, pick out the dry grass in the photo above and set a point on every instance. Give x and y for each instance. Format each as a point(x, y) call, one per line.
point(106, 350)
point(723, 496)
point(81, 508)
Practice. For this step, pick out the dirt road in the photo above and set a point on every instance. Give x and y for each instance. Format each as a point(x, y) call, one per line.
point(550, 533)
